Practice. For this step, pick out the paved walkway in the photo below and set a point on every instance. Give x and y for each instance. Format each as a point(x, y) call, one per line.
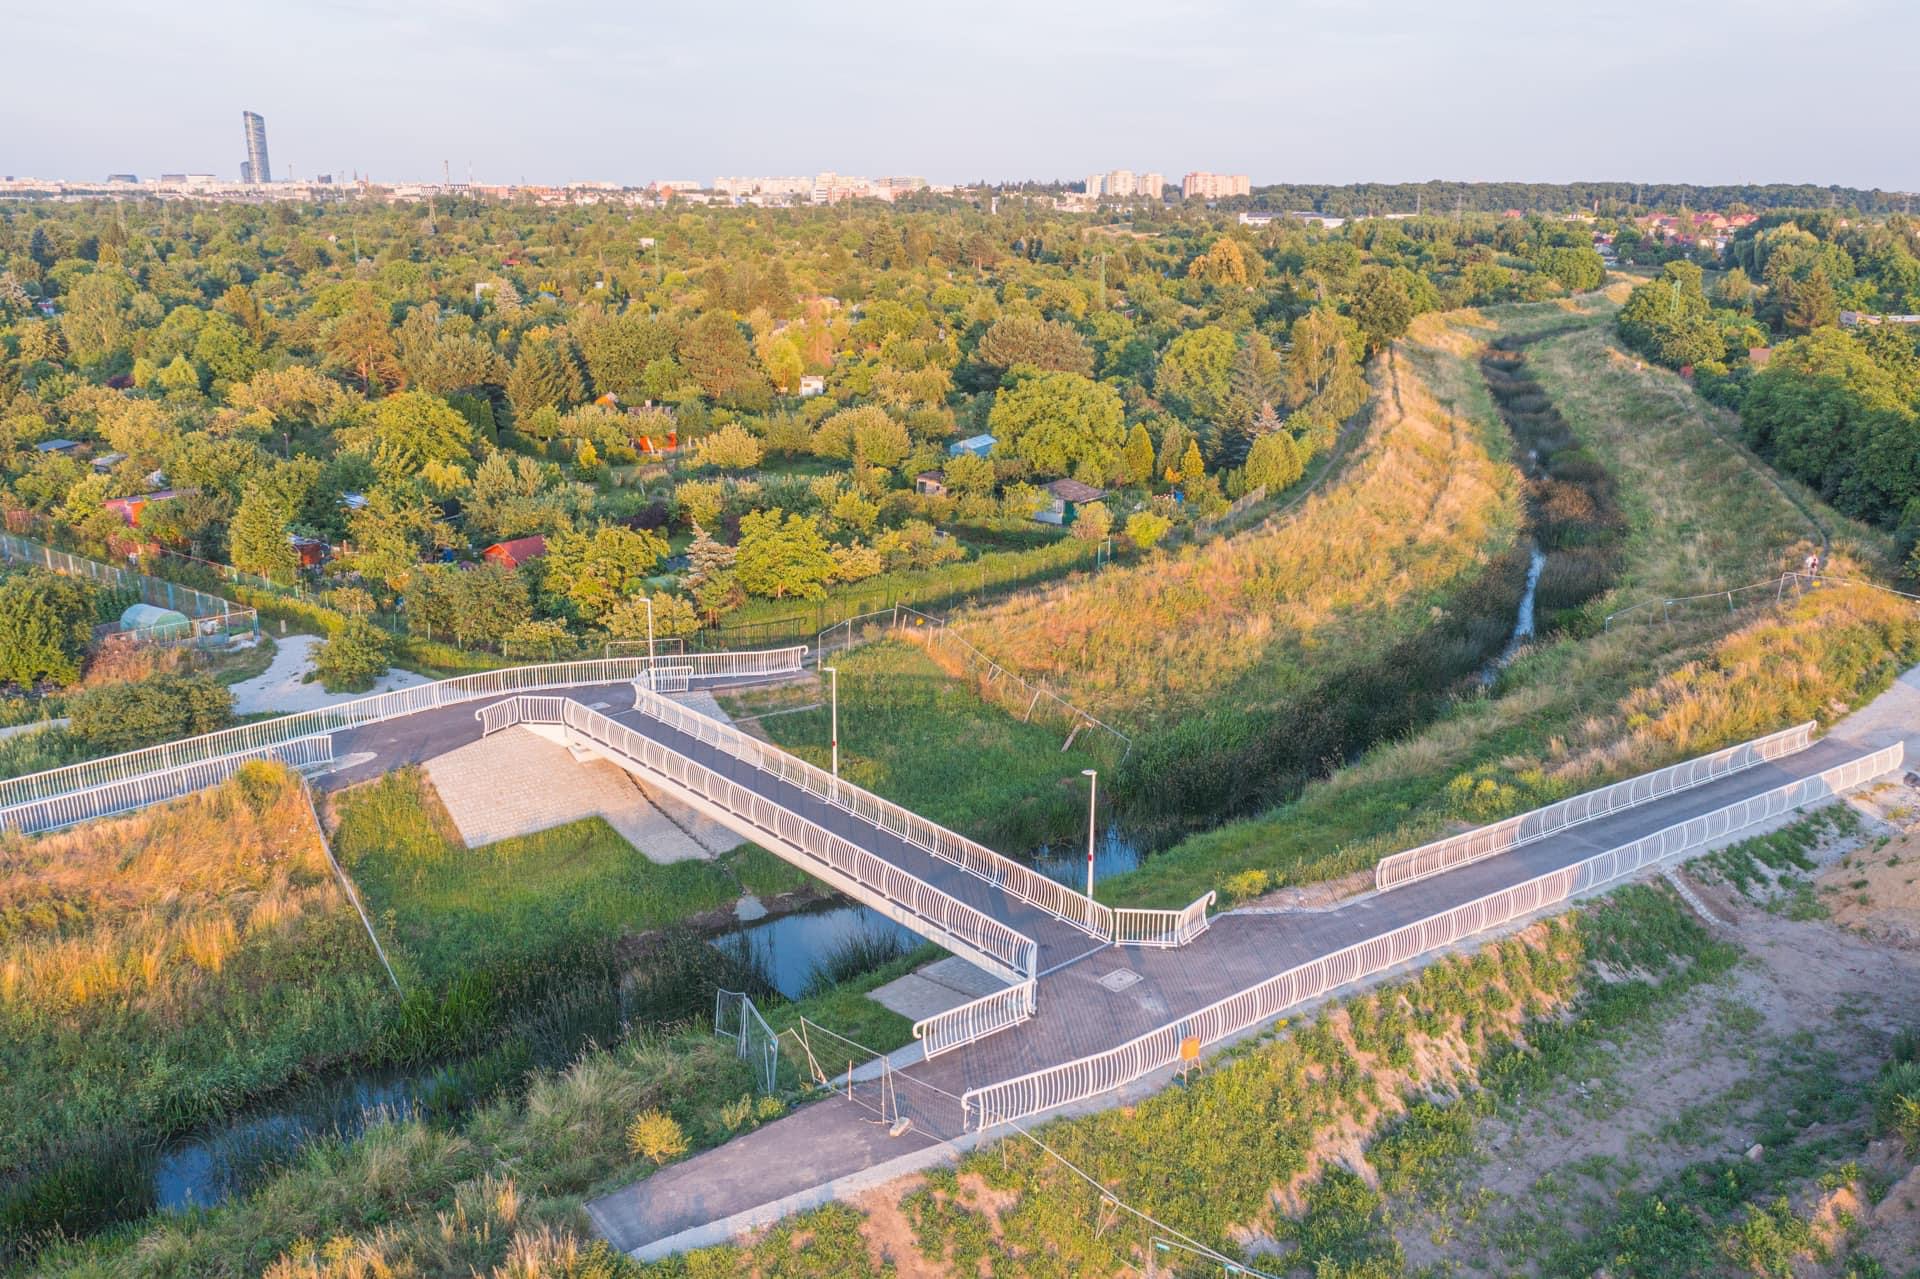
point(1080, 1014)
point(283, 687)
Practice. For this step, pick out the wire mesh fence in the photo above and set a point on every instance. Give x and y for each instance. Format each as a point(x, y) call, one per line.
point(211, 618)
point(735, 1018)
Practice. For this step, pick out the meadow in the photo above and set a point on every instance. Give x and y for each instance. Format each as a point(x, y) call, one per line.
point(910, 732)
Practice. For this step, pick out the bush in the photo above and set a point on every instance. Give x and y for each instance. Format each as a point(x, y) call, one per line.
point(46, 622)
point(655, 1135)
point(124, 717)
point(353, 657)
point(1144, 529)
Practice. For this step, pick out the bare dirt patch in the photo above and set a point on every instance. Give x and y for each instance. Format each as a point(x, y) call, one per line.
point(1812, 1006)
point(1874, 891)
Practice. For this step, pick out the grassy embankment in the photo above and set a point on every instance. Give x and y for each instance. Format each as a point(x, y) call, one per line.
point(1246, 665)
point(1589, 704)
point(924, 740)
point(163, 969)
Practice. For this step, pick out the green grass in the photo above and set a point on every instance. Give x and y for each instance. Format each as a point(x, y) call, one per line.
point(452, 909)
point(912, 733)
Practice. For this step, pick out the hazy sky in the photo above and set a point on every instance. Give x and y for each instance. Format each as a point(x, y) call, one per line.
point(1292, 90)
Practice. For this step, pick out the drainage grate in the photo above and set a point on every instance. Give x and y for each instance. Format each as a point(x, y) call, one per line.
point(1119, 979)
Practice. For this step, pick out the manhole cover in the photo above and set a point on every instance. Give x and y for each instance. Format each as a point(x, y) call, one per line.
point(1119, 979)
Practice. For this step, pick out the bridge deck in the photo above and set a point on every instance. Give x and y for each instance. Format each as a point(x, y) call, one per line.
point(1078, 1016)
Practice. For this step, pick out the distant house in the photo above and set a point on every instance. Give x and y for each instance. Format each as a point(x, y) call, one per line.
point(812, 384)
point(107, 461)
point(66, 448)
point(1758, 356)
point(517, 551)
point(129, 508)
point(1068, 497)
point(976, 445)
point(312, 551)
point(930, 483)
point(354, 501)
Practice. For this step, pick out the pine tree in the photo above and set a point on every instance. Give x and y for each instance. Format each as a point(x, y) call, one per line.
point(706, 558)
point(1192, 465)
point(544, 376)
point(1138, 455)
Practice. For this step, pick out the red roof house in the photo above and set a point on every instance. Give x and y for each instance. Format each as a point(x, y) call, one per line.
point(514, 553)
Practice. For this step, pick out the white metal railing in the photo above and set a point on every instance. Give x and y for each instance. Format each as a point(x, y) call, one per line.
point(1502, 836)
point(975, 1020)
point(1010, 876)
point(56, 811)
point(1090, 1076)
point(1134, 927)
point(933, 913)
point(406, 701)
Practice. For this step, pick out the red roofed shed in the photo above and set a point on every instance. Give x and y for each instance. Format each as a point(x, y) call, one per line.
point(514, 553)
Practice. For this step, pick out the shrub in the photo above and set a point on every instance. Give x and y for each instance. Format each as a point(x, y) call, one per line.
point(124, 717)
point(353, 657)
point(1246, 885)
point(731, 448)
point(1144, 529)
point(45, 625)
point(655, 1135)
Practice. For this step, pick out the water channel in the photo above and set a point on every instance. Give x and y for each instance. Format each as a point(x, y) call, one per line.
point(206, 1167)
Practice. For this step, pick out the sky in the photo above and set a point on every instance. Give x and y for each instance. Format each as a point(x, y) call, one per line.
point(1704, 91)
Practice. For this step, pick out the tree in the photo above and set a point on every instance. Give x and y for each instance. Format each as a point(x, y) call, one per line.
point(1146, 528)
point(1093, 523)
point(516, 496)
point(127, 716)
point(595, 571)
point(393, 531)
point(406, 431)
point(354, 655)
point(1670, 321)
point(1323, 364)
point(361, 342)
point(1224, 264)
point(544, 376)
point(672, 616)
point(880, 441)
point(257, 538)
point(715, 355)
point(475, 603)
point(700, 501)
point(1382, 307)
point(538, 640)
point(1274, 461)
point(731, 448)
point(1193, 467)
point(1138, 455)
point(1060, 422)
point(46, 623)
point(1196, 373)
point(783, 554)
point(1046, 345)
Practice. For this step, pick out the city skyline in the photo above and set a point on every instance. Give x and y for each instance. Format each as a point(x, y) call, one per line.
point(1364, 92)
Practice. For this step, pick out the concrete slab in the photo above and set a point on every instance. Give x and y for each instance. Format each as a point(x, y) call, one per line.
point(943, 984)
point(516, 782)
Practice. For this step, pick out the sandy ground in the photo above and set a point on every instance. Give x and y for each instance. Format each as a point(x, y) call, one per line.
point(281, 687)
point(1812, 1002)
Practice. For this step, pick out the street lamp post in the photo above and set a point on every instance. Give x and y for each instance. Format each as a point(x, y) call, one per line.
point(649, 600)
point(1093, 791)
point(833, 678)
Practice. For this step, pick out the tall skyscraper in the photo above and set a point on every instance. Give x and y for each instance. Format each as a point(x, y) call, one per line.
point(256, 169)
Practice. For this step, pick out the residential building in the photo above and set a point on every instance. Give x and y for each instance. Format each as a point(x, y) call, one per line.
point(1215, 186)
point(1096, 185)
point(257, 170)
point(977, 445)
point(930, 483)
point(1151, 185)
point(1118, 182)
point(129, 508)
point(812, 384)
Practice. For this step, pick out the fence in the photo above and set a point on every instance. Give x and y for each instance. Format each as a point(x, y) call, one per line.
point(1485, 841)
point(735, 1018)
point(1132, 927)
point(1099, 1073)
point(365, 710)
point(958, 1027)
point(1772, 590)
point(39, 815)
point(1028, 885)
point(897, 893)
point(212, 615)
point(1206, 527)
point(346, 883)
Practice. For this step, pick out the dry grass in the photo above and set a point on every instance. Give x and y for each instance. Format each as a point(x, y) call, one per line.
point(137, 912)
point(1427, 498)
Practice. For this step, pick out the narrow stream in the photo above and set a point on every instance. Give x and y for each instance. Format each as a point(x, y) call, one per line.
point(203, 1168)
point(1522, 619)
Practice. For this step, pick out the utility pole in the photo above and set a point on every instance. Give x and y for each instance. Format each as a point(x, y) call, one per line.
point(1093, 791)
point(833, 731)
